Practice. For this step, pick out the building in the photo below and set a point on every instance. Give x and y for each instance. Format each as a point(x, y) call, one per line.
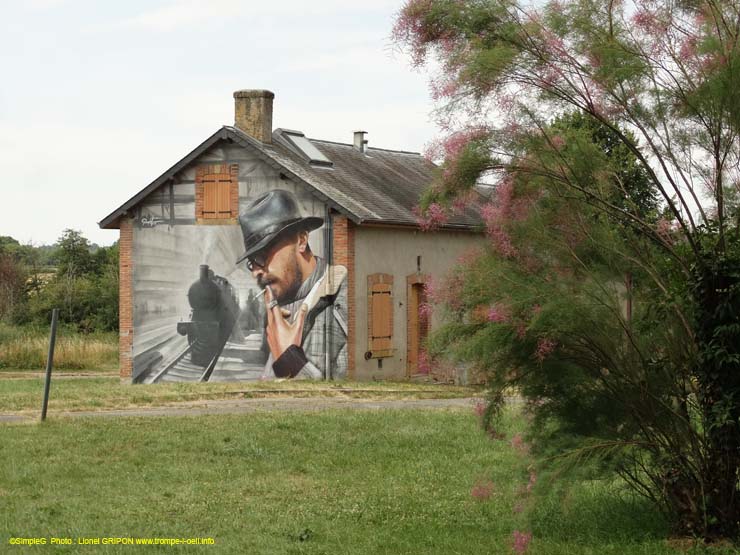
point(188, 311)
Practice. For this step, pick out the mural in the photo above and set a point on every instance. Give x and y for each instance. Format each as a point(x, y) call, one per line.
point(230, 302)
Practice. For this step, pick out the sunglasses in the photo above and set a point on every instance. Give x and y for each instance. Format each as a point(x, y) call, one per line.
point(257, 260)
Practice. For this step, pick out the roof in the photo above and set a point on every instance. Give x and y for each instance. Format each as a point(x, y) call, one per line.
point(377, 186)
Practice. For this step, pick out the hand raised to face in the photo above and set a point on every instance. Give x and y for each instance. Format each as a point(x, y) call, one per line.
point(281, 333)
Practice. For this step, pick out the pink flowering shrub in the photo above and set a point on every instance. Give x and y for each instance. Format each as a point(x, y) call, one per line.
point(424, 364)
point(425, 311)
point(520, 541)
point(482, 490)
point(518, 443)
point(499, 314)
point(545, 347)
point(432, 218)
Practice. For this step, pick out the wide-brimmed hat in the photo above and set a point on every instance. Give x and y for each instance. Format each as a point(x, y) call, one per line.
point(270, 215)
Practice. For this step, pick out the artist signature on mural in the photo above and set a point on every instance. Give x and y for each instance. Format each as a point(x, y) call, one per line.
point(151, 221)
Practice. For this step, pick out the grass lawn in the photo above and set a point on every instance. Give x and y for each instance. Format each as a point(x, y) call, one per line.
point(335, 482)
point(25, 395)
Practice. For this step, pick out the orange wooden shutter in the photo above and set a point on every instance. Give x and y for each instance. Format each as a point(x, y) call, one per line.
point(380, 315)
point(217, 191)
point(216, 196)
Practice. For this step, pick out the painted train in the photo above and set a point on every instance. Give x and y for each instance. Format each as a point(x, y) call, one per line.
point(214, 310)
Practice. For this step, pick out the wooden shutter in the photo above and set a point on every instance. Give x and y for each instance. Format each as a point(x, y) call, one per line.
point(380, 315)
point(217, 196)
point(217, 192)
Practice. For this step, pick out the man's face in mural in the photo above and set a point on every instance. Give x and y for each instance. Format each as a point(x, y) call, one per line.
point(278, 266)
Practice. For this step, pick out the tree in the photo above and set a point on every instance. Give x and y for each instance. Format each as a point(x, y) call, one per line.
point(12, 285)
point(662, 386)
point(74, 257)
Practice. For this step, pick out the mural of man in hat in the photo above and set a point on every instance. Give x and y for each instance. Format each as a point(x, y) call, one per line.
point(302, 292)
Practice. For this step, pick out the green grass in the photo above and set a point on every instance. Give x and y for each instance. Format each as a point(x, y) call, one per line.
point(24, 395)
point(386, 482)
point(26, 348)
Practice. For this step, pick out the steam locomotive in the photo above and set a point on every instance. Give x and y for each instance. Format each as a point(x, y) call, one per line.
point(215, 309)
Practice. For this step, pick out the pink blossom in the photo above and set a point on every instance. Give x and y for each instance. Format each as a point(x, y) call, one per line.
point(532, 481)
point(425, 311)
point(518, 443)
point(499, 313)
point(424, 365)
point(649, 22)
point(462, 202)
point(687, 51)
point(555, 44)
point(433, 218)
point(411, 28)
point(512, 127)
point(445, 88)
point(505, 102)
point(551, 75)
point(449, 292)
point(520, 541)
point(479, 408)
point(482, 490)
point(545, 346)
point(456, 142)
point(431, 289)
point(469, 256)
point(433, 151)
point(556, 6)
point(558, 142)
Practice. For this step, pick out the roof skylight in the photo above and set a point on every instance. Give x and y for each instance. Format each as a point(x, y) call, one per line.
point(314, 156)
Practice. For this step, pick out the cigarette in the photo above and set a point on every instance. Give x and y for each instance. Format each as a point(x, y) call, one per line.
point(262, 292)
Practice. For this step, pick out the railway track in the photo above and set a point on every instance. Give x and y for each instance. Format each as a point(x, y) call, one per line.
point(181, 368)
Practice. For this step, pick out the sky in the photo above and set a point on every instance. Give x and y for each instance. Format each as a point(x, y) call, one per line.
point(98, 99)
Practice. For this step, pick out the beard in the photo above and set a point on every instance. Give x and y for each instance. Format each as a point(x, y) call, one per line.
point(287, 285)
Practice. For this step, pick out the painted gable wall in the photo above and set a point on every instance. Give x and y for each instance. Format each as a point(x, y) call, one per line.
point(168, 249)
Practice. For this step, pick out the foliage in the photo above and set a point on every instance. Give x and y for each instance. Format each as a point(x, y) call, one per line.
point(609, 291)
point(75, 276)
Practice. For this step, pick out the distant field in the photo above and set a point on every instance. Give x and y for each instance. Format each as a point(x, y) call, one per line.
point(338, 482)
point(26, 349)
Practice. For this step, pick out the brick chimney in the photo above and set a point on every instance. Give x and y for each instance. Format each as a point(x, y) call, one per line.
point(253, 113)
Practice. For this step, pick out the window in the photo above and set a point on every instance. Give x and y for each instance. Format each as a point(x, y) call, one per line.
point(217, 192)
point(312, 154)
point(380, 315)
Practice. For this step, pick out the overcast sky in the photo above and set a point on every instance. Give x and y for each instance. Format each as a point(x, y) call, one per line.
point(99, 98)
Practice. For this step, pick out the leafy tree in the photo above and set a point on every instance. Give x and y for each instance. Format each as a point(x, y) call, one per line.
point(656, 389)
point(12, 285)
point(74, 256)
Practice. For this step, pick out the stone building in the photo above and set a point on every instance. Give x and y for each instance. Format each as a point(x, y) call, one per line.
point(189, 311)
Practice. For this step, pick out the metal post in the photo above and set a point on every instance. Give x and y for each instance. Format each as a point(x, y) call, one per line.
point(49, 361)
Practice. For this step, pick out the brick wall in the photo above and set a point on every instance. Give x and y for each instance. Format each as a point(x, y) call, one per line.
point(126, 306)
point(344, 255)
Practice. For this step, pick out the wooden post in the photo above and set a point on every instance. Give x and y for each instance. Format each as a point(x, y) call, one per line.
point(49, 361)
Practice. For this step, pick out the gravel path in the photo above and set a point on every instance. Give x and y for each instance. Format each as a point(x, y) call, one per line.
point(242, 406)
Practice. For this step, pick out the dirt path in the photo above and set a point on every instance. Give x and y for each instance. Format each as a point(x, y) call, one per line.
point(56, 375)
point(242, 406)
